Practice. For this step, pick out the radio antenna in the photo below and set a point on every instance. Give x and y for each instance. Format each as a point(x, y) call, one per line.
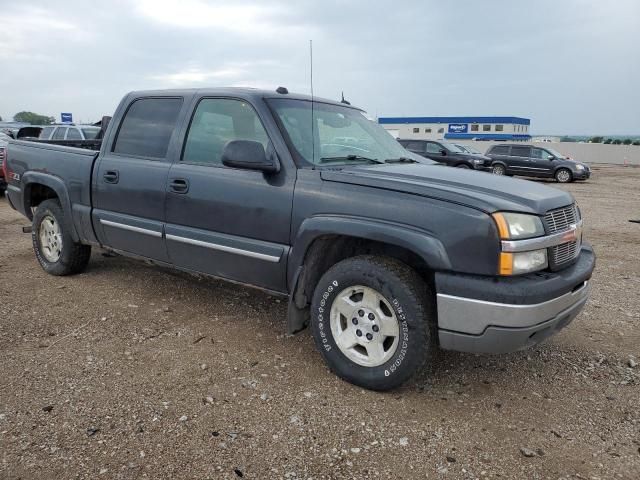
point(313, 136)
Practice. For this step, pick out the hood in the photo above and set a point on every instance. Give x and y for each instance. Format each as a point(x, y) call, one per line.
point(480, 190)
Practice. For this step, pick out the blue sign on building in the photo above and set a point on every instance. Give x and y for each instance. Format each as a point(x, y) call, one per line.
point(66, 117)
point(458, 128)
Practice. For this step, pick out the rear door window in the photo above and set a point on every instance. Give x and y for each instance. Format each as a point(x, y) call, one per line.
point(415, 146)
point(520, 151)
point(60, 133)
point(74, 134)
point(147, 127)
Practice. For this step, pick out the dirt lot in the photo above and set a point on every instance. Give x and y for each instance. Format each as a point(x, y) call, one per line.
point(127, 371)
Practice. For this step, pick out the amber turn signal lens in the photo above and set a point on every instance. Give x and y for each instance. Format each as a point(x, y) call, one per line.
point(506, 263)
point(503, 228)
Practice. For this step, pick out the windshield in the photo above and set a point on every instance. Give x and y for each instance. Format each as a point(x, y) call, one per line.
point(468, 149)
point(90, 133)
point(451, 147)
point(555, 153)
point(336, 134)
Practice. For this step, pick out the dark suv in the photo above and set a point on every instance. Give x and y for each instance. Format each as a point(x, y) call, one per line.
point(447, 153)
point(531, 161)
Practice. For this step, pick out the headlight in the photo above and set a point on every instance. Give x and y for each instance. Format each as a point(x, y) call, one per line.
point(518, 226)
point(478, 161)
point(523, 262)
point(579, 167)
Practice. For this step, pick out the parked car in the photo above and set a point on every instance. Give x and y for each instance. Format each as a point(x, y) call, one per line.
point(69, 132)
point(447, 153)
point(534, 161)
point(385, 259)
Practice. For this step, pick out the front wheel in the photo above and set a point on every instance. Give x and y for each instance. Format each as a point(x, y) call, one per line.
point(463, 165)
point(498, 169)
point(371, 320)
point(563, 175)
point(53, 245)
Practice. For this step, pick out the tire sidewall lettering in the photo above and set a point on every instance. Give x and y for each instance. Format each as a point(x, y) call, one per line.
point(320, 315)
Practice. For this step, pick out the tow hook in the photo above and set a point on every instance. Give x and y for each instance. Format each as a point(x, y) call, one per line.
point(27, 229)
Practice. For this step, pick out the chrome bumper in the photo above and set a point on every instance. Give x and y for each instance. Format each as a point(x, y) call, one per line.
point(478, 326)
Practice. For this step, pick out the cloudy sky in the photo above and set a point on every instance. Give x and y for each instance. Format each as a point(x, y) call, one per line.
point(573, 67)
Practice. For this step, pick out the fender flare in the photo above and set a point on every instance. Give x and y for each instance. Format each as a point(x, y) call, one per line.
point(420, 242)
point(57, 185)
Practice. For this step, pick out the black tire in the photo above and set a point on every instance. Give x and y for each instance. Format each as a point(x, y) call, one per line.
point(563, 175)
point(412, 303)
point(498, 169)
point(2, 191)
point(73, 257)
point(463, 165)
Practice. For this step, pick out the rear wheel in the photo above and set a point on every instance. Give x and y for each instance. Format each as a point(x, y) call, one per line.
point(563, 175)
point(370, 320)
point(498, 169)
point(53, 245)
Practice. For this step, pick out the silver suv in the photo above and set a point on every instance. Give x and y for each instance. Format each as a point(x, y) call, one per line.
point(69, 132)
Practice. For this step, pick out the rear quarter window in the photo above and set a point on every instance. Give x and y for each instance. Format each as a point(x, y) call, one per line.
point(147, 127)
point(501, 150)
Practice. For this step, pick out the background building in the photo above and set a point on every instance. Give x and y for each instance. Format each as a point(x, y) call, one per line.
point(463, 128)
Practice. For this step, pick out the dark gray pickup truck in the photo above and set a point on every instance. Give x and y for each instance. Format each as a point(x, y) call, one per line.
point(386, 259)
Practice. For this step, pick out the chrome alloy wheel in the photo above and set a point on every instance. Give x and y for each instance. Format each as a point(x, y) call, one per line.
point(563, 176)
point(50, 239)
point(364, 326)
point(498, 170)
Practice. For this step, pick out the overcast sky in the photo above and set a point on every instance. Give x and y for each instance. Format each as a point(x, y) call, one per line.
point(573, 67)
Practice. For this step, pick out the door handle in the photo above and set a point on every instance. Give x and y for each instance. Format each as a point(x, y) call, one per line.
point(111, 176)
point(179, 185)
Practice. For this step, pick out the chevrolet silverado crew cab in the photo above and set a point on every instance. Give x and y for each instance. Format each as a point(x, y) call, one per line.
point(385, 259)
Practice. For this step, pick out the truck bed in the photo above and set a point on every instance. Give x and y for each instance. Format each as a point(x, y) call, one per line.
point(68, 171)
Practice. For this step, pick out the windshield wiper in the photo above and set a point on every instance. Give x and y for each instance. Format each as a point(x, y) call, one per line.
point(400, 160)
point(349, 157)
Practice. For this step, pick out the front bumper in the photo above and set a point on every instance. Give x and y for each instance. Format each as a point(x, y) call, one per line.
point(581, 174)
point(499, 315)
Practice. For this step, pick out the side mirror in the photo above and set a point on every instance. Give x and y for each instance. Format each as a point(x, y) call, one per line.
point(551, 157)
point(443, 152)
point(248, 155)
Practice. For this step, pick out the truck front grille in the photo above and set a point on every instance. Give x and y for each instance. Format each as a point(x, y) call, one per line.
point(564, 253)
point(557, 221)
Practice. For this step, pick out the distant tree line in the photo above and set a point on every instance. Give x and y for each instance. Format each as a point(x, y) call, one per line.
point(614, 141)
point(33, 118)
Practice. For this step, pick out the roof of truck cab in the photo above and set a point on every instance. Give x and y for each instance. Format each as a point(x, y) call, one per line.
point(242, 92)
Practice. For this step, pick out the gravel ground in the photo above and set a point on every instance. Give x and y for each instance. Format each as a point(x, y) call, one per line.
point(128, 371)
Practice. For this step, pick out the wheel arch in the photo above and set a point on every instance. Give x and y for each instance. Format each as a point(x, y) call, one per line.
point(324, 241)
point(38, 187)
